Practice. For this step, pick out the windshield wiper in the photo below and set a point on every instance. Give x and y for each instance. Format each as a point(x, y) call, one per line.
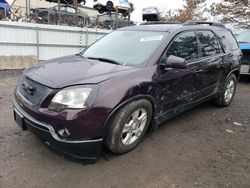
point(105, 60)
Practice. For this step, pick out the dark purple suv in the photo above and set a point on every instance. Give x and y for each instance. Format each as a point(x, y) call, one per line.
point(131, 80)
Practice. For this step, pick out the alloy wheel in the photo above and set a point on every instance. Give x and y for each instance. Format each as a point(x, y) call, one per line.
point(134, 126)
point(229, 91)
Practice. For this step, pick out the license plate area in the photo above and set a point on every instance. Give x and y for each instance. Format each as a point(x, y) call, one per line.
point(19, 119)
point(244, 69)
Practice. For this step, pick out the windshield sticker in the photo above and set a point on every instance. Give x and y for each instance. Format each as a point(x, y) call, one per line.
point(151, 38)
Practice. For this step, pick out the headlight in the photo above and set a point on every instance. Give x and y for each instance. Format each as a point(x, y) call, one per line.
point(77, 97)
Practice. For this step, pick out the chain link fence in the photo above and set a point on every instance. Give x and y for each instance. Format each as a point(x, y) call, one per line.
point(68, 16)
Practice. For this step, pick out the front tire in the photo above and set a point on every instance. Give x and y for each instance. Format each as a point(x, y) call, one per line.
point(129, 126)
point(228, 92)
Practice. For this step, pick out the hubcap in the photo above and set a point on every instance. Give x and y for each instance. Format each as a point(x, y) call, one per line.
point(229, 91)
point(134, 126)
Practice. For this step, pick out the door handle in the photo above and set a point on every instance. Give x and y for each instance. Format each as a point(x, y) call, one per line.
point(198, 70)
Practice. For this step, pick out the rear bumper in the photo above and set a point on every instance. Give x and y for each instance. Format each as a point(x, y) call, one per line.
point(245, 66)
point(81, 149)
point(245, 69)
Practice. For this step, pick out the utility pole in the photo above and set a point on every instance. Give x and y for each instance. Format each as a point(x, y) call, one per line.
point(27, 8)
point(59, 12)
point(75, 5)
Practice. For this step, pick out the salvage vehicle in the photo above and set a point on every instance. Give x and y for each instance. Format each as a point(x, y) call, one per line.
point(150, 14)
point(128, 82)
point(67, 15)
point(244, 42)
point(111, 21)
point(109, 6)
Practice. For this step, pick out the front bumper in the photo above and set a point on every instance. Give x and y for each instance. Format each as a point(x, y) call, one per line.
point(81, 149)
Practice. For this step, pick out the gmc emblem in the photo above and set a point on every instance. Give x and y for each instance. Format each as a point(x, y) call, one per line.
point(29, 89)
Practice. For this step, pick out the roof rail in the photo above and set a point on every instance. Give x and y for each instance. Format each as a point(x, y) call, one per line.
point(158, 22)
point(217, 24)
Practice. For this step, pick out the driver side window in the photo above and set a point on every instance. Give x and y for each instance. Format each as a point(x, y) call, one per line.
point(184, 46)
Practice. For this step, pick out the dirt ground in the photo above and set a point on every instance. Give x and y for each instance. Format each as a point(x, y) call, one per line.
point(200, 148)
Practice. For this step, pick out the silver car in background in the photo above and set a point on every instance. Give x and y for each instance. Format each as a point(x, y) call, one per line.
point(150, 14)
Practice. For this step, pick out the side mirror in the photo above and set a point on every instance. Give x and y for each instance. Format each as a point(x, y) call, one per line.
point(174, 62)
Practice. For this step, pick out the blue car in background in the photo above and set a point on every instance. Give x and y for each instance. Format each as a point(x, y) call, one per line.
point(4, 9)
point(244, 42)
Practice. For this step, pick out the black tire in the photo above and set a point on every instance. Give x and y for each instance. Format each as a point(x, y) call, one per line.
point(101, 11)
point(221, 100)
point(113, 139)
point(109, 6)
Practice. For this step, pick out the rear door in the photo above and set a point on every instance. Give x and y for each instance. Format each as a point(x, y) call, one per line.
point(211, 57)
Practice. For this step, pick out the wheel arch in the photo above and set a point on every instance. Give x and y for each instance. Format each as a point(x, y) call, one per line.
point(153, 123)
point(236, 72)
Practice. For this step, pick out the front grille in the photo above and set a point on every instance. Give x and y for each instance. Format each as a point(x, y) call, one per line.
point(246, 57)
point(31, 90)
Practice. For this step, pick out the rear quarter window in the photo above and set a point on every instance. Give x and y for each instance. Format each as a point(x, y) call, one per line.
point(227, 40)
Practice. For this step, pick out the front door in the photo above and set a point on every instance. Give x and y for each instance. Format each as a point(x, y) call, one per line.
point(178, 87)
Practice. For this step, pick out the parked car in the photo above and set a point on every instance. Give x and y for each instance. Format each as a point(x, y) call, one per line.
point(109, 6)
point(244, 42)
point(65, 16)
point(109, 21)
point(150, 14)
point(129, 81)
point(4, 9)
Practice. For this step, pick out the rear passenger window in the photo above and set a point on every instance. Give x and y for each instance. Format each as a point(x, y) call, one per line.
point(227, 40)
point(184, 46)
point(209, 43)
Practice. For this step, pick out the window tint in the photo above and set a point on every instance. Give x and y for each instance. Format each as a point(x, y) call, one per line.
point(71, 10)
point(184, 46)
point(209, 43)
point(227, 40)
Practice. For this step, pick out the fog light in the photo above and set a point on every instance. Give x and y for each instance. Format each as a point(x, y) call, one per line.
point(63, 132)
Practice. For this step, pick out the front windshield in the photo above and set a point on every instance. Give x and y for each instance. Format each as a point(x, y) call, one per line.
point(244, 37)
point(126, 47)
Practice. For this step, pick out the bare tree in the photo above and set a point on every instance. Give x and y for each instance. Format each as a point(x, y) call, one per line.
point(233, 11)
point(188, 12)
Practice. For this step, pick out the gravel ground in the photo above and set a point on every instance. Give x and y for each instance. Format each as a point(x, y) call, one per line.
point(200, 148)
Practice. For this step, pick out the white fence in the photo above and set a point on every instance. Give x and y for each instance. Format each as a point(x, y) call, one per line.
point(44, 41)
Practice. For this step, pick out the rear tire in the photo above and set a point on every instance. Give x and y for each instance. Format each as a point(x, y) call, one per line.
point(228, 92)
point(129, 126)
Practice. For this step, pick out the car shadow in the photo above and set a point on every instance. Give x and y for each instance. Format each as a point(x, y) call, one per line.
point(245, 79)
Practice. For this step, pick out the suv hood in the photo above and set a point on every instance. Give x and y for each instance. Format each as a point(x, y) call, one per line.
point(73, 70)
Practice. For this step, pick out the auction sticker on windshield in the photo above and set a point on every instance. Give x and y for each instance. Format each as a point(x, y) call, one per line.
point(151, 38)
